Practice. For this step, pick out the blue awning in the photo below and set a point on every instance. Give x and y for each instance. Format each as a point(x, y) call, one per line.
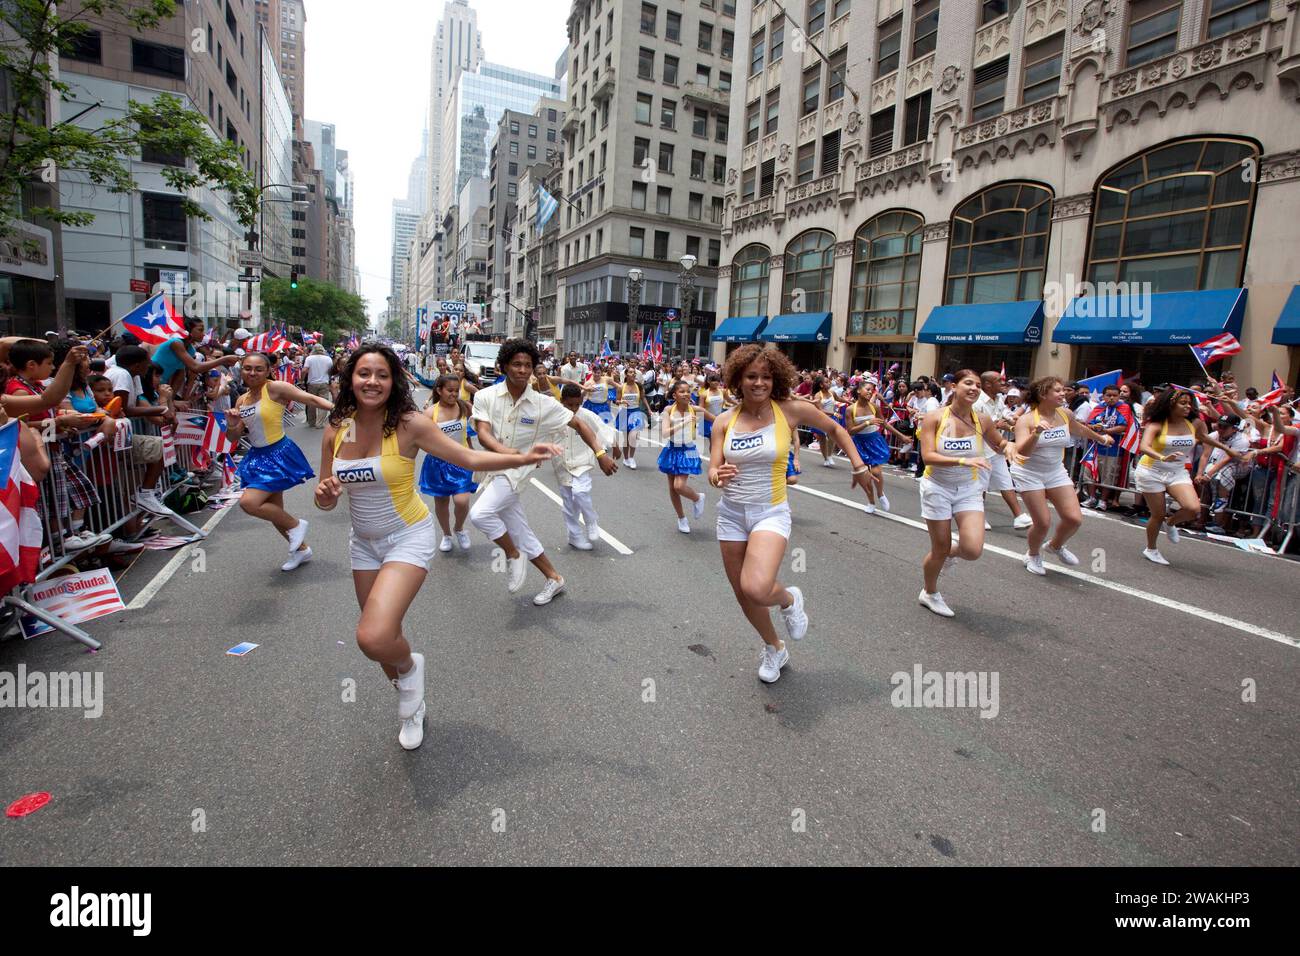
point(1163, 318)
point(740, 328)
point(799, 327)
point(985, 323)
point(1287, 330)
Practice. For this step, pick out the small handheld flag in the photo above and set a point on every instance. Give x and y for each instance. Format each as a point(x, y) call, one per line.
point(153, 322)
point(1211, 350)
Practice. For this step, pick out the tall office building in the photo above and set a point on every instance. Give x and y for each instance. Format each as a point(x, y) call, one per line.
point(278, 218)
point(474, 106)
point(322, 138)
point(293, 50)
point(645, 144)
point(457, 45)
point(268, 18)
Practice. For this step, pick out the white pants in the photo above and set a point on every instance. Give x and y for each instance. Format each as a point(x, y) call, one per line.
point(577, 501)
point(498, 511)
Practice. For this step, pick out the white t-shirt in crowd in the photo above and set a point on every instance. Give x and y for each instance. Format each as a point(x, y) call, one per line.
point(124, 381)
point(318, 369)
point(573, 373)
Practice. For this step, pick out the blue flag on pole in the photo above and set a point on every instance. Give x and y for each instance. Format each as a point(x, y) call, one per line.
point(1098, 383)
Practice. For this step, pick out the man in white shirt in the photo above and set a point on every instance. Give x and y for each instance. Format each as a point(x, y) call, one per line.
point(317, 373)
point(510, 416)
point(993, 404)
point(573, 370)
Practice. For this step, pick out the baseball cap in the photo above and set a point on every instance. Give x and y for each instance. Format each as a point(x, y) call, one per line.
point(1229, 421)
point(241, 334)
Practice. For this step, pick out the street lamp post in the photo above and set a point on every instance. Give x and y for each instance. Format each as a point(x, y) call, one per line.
point(634, 279)
point(686, 286)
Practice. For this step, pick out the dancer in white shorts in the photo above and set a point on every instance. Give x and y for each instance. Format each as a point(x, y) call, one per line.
point(749, 464)
point(1170, 432)
point(1042, 435)
point(953, 484)
point(369, 450)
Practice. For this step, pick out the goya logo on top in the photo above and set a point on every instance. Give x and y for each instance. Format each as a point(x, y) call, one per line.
point(747, 442)
point(247, 411)
point(960, 444)
point(355, 475)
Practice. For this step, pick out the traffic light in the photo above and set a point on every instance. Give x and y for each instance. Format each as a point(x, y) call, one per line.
point(293, 278)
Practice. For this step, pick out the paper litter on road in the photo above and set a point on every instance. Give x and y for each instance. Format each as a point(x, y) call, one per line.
point(239, 650)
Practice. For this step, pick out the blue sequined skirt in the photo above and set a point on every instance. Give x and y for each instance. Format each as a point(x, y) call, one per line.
point(442, 479)
point(872, 447)
point(276, 467)
point(679, 460)
point(630, 420)
point(602, 410)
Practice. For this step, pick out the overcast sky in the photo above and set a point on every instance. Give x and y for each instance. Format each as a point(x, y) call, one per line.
point(368, 69)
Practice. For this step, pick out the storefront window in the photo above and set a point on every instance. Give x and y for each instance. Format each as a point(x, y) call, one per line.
point(1175, 216)
point(809, 264)
point(997, 245)
point(749, 272)
point(886, 271)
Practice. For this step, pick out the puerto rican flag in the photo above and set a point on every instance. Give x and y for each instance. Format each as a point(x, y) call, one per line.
point(215, 440)
point(153, 322)
point(1221, 346)
point(267, 342)
point(1089, 460)
point(20, 522)
point(1132, 439)
point(1274, 396)
point(191, 429)
point(169, 446)
point(659, 342)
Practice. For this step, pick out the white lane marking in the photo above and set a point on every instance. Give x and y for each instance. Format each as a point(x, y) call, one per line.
point(605, 536)
point(171, 567)
point(1231, 622)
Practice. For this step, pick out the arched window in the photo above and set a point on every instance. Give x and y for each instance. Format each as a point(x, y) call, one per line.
point(809, 263)
point(886, 270)
point(1175, 216)
point(749, 281)
point(997, 245)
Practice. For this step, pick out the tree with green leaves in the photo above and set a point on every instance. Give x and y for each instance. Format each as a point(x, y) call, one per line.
point(316, 306)
point(32, 36)
point(393, 327)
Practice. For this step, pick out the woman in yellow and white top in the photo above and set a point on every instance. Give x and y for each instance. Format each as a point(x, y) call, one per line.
point(749, 465)
point(956, 476)
point(1042, 434)
point(275, 463)
point(1170, 433)
point(369, 450)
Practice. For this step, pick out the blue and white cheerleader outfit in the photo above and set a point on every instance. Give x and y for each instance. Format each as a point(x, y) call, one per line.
point(441, 478)
point(713, 402)
point(630, 417)
point(602, 408)
point(680, 457)
point(275, 462)
point(870, 442)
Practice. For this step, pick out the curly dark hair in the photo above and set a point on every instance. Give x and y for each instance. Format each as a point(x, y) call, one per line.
point(783, 373)
point(513, 347)
point(1039, 388)
point(399, 402)
point(1160, 408)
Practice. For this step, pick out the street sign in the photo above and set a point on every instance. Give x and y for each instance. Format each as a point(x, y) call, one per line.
point(255, 277)
point(250, 259)
point(669, 326)
point(140, 285)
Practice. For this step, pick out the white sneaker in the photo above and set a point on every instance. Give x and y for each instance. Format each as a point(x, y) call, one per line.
point(410, 689)
point(871, 509)
point(987, 526)
point(684, 525)
point(1065, 554)
point(412, 733)
point(796, 621)
point(935, 603)
point(770, 664)
point(549, 593)
point(297, 535)
point(517, 569)
point(580, 544)
point(593, 533)
point(697, 507)
point(828, 462)
point(631, 463)
point(124, 547)
point(1174, 534)
point(445, 543)
point(1101, 506)
point(883, 502)
point(1023, 521)
point(75, 542)
point(1034, 564)
point(148, 500)
point(1154, 556)
point(295, 559)
point(462, 539)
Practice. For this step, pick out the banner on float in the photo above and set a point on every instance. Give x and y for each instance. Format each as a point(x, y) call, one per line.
point(76, 598)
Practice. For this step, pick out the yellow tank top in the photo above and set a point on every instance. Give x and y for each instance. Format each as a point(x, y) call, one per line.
point(956, 446)
point(382, 495)
point(760, 458)
point(264, 420)
point(1183, 444)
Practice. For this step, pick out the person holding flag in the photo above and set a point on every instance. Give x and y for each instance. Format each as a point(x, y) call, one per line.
point(178, 355)
point(275, 463)
point(1109, 465)
point(1172, 430)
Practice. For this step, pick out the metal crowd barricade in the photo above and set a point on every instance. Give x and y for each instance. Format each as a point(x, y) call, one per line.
point(107, 469)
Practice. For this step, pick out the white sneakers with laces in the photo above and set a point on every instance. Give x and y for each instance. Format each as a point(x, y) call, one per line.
point(462, 539)
point(1154, 556)
point(1022, 521)
point(517, 569)
point(771, 662)
point(593, 533)
point(631, 463)
point(445, 544)
point(412, 733)
point(1034, 564)
point(296, 558)
point(796, 621)
point(871, 509)
point(935, 603)
point(1174, 534)
point(882, 502)
point(549, 593)
point(1065, 554)
point(147, 499)
point(684, 525)
point(297, 535)
point(581, 544)
point(697, 507)
point(410, 689)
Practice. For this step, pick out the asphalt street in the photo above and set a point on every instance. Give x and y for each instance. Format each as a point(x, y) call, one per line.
point(624, 723)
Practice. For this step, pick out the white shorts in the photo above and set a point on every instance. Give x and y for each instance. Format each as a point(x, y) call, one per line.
point(940, 502)
point(414, 545)
point(1031, 479)
point(1156, 478)
point(736, 522)
point(999, 475)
